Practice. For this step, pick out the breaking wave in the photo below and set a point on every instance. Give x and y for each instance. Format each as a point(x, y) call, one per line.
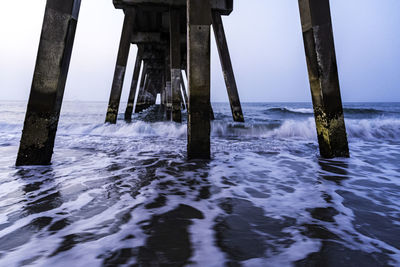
point(283, 111)
point(365, 129)
point(388, 129)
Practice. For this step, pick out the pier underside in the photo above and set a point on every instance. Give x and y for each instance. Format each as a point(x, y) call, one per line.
point(174, 36)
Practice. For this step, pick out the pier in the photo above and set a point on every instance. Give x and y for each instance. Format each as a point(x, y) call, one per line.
point(174, 37)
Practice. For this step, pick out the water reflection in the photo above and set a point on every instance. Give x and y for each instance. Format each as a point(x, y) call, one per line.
point(40, 195)
point(168, 240)
point(335, 170)
point(333, 218)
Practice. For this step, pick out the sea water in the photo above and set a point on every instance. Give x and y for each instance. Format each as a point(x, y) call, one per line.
point(126, 195)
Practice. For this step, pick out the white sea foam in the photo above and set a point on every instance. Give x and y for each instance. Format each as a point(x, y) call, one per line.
point(122, 129)
point(301, 110)
point(365, 129)
point(111, 190)
point(372, 129)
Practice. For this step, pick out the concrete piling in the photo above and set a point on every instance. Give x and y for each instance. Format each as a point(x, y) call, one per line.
point(168, 87)
point(163, 98)
point(227, 68)
point(175, 54)
point(135, 80)
point(212, 115)
point(120, 68)
point(150, 92)
point(141, 99)
point(162, 90)
point(182, 101)
point(168, 100)
point(163, 93)
point(323, 75)
point(146, 95)
point(50, 75)
point(198, 49)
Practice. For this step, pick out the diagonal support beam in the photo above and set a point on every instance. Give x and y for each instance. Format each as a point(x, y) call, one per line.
point(227, 68)
point(147, 93)
point(134, 84)
point(323, 75)
point(47, 91)
point(120, 68)
point(140, 97)
point(184, 90)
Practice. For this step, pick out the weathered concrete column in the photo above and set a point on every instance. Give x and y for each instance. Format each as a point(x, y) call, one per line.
point(47, 91)
point(227, 68)
point(175, 54)
point(163, 93)
point(168, 99)
point(212, 116)
point(145, 94)
point(120, 68)
point(168, 87)
point(149, 91)
point(184, 90)
point(199, 24)
point(139, 100)
point(163, 97)
point(152, 90)
point(323, 75)
point(135, 79)
point(181, 101)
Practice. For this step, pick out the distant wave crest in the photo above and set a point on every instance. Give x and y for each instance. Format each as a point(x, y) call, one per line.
point(361, 111)
point(309, 111)
point(289, 111)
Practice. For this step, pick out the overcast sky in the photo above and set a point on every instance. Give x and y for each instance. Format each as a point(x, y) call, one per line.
point(264, 38)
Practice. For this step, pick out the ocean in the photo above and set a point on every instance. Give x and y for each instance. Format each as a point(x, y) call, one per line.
point(125, 194)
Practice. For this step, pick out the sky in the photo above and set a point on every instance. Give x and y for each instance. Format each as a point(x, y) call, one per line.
point(264, 38)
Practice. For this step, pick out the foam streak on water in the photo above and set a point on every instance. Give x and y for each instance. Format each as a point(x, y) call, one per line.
point(125, 195)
